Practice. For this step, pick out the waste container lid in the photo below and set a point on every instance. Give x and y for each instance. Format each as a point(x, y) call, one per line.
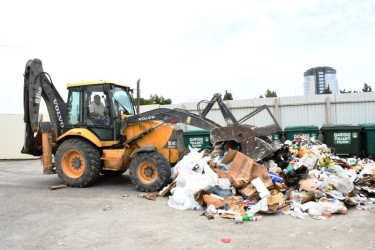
point(301, 128)
point(341, 127)
point(197, 132)
point(367, 126)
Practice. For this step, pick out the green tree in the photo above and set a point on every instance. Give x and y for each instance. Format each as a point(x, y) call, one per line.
point(228, 96)
point(269, 94)
point(366, 88)
point(348, 91)
point(327, 91)
point(154, 99)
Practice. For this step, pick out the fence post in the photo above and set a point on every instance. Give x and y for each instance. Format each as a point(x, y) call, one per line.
point(328, 110)
point(276, 112)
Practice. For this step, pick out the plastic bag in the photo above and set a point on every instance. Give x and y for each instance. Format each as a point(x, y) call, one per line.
point(308, 160)
point(193, 175)
point(216, 189)
point(262, 205)
point(326, 207)
point(342, 185)
point(183, 200)
point(293, 177)
point(223, 183)
point(192, 161)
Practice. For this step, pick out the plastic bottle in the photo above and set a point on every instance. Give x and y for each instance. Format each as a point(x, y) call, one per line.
point(238, 219)
point(245, 217)
point(359, 207)
point(255, 218)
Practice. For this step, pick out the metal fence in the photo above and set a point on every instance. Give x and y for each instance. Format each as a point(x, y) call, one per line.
point(318, 110)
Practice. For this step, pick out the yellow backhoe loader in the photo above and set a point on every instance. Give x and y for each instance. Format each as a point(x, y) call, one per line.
point(97, 131)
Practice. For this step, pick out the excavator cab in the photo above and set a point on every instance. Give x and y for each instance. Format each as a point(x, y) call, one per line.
point(98, 106)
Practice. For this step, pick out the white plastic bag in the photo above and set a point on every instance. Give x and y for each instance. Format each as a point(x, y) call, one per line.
point(324, 207)
point(262, 205)
point(193, 175)
point(182, 200)
point(342, 185)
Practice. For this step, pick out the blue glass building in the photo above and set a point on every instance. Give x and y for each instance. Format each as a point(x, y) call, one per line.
point(319, 78)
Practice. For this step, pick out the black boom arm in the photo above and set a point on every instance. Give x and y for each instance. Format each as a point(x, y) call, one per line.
point(37, 85)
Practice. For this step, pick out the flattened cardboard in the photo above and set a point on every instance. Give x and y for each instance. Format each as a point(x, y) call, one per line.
point(211, 200)
point(199, 197)
point(274, 198)
point(271, 209)
point(249, 190)
point(223, 174)
point(235, 204)
point(307, 185)
point(285, 207)
point(261, 172)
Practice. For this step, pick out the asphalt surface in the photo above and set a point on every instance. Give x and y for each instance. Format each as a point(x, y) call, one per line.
point(34, 217)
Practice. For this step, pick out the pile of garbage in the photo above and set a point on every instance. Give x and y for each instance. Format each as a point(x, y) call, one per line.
point(303, 178)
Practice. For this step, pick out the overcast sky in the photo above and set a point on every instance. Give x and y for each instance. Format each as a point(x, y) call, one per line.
point(186, 50)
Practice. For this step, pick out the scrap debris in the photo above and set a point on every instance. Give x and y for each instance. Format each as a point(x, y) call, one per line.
point(57, 187)
point(150, 196)
point(107, 208)
point(125, 196)
point(303, 178)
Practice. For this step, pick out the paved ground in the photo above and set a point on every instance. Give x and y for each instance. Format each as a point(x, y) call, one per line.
point(34, 217)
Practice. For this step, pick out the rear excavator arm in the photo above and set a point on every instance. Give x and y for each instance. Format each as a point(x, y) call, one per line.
point(37, 85)
point(173, 116)
point(253, 140)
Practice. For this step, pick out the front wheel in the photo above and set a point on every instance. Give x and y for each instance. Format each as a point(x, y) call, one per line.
point(77, 163)
point(150, 171)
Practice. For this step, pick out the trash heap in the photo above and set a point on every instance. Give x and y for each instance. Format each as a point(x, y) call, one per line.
point(303, 178)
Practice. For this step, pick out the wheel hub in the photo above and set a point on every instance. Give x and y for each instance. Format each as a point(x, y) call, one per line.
point(148, 171)
point(76, 163)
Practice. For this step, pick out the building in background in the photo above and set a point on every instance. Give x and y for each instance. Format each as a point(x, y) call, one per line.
point(317, 79)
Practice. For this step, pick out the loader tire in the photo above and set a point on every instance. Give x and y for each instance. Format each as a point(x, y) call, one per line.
point(150, 171)
point(77, 163)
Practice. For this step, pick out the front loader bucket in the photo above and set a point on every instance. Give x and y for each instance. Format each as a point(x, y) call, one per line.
point(254, 141)
point(257, 148)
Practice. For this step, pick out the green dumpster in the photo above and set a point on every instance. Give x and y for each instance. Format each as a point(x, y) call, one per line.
point(368, 137)
point(310, 131)
point(345, 139)
point(197, 139)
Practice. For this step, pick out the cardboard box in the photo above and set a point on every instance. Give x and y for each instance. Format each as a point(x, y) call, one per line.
point(239, 172)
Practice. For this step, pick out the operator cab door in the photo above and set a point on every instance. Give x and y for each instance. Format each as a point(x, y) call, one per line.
point(97, 112)
point(122, 104)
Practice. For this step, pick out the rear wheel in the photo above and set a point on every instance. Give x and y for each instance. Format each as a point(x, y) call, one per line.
point(150, 171)
point(77, 163)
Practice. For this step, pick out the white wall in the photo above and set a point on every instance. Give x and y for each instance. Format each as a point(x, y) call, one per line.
point(318, 110)
point(12, 131)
